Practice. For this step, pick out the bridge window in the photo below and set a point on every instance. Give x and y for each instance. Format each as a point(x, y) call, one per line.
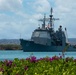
point(41, 34)
point(36, 34)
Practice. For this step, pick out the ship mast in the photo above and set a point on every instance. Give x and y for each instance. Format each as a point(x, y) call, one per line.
point(43, 20)
point(43, 25)
point(51, 18)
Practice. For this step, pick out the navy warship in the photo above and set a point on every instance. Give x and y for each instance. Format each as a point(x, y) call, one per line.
point(46, 39)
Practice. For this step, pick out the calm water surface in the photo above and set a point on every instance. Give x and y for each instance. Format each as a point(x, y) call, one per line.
point(10, 55)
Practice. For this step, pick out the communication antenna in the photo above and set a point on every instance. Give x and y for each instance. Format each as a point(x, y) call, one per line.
point(51, 19)
point(66, 35)
point(20, 35)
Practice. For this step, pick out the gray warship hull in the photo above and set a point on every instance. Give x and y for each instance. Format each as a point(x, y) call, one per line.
point(30, 46)
point(46, 39)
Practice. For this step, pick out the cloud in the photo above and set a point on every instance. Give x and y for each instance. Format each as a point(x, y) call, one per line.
point(22, 22)
point(41, 5)
point(17, 25)
point(65, 10)
point(10, 5)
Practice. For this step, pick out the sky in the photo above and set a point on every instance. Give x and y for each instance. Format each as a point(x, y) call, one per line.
point(19, 18)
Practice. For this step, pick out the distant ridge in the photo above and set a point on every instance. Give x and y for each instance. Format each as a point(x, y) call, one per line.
point(72, 41)
point(9, 41)
point(16, 41)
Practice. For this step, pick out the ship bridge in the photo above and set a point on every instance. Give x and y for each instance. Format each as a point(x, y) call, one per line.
point(41, 37)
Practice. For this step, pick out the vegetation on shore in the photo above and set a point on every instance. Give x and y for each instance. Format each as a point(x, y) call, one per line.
point(43, 66)
point(10, 47)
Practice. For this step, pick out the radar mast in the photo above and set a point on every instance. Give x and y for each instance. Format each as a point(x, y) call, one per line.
point(43, 25)
point(51, 18)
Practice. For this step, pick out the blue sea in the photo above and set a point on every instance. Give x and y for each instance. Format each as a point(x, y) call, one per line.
point(10, 55)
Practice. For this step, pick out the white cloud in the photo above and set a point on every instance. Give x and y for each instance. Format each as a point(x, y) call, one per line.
point(15, 26)
point(41, 5)
point(10, 5)
point(66, 11)
point(24, 23)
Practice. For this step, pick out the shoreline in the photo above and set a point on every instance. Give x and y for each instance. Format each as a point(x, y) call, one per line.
point(10, 47)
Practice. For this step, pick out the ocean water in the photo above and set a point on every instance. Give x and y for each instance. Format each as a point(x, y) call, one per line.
point(10, 55)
